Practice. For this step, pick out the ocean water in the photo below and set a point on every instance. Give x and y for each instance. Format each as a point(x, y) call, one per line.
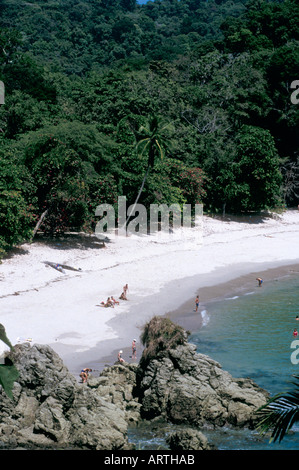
point(250, 335)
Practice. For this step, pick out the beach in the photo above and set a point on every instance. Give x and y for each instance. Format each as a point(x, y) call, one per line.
point(164, 273)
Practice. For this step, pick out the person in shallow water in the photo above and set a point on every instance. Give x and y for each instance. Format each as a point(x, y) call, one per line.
point(260, 281)
point(196, 303)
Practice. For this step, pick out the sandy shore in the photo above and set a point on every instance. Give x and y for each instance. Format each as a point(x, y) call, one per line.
point(163, 274)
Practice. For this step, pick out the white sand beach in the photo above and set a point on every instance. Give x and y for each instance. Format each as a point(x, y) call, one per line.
point(63, 309)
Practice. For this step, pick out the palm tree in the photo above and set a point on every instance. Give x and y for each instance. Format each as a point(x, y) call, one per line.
point(280, 413)
point(153, 140)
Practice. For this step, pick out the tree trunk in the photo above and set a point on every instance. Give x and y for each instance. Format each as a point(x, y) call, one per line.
point(138, 196)
point(39, 223)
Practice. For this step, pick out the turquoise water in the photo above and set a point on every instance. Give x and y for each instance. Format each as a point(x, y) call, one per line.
point(250, 336)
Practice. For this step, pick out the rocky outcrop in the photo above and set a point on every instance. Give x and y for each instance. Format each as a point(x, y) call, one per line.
point(51, 410)
point(116, 384)
point(187, 387)
point(172, 382)
point(188, 439)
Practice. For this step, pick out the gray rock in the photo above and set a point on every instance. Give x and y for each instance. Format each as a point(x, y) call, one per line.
point(115, 385)
point(187, 387)
point(51, 410)
point(188, 439)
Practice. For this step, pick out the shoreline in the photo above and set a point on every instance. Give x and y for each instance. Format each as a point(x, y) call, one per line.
point(164, 276)
point(185, 316)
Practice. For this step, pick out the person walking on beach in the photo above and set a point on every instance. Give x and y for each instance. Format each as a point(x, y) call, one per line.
point(196, 303)
point(134, 350)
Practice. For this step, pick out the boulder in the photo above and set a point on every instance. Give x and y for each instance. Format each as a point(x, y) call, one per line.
point(186, 387)
point(188, 439)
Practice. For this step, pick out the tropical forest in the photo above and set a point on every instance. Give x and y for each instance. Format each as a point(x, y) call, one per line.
point(173, 101)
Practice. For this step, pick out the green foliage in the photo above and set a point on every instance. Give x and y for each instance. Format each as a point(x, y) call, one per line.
point(256, 170)
point(76, 72)
point(8, 375)
point(8, 372)
point(16, 214)
point(66, 163)
point(160, 334)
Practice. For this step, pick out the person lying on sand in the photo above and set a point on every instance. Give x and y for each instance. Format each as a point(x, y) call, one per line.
point(109, 303)
point(114, 301)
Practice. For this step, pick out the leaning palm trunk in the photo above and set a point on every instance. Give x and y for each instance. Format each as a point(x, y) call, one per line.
point(138, 195)
point(151, 143)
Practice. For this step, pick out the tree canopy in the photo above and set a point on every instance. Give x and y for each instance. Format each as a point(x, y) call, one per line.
point(219, 71)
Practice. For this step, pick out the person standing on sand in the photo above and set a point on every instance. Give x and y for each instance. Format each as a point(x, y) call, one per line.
point(134, 349)
point(125, 289)
point(196, 303)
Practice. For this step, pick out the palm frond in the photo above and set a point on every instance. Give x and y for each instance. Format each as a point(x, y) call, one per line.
point(160, 148)
point(279, 414)
point(145, 141)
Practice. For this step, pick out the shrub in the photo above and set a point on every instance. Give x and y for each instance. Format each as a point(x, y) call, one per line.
point(161, 334)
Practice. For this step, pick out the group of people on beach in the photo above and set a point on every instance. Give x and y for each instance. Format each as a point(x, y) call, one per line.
point(84, 374)
point(111, 301)
point(134, 352)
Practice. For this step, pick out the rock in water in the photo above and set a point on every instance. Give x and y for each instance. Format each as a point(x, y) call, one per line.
point(188, 439)
point(184, 386)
